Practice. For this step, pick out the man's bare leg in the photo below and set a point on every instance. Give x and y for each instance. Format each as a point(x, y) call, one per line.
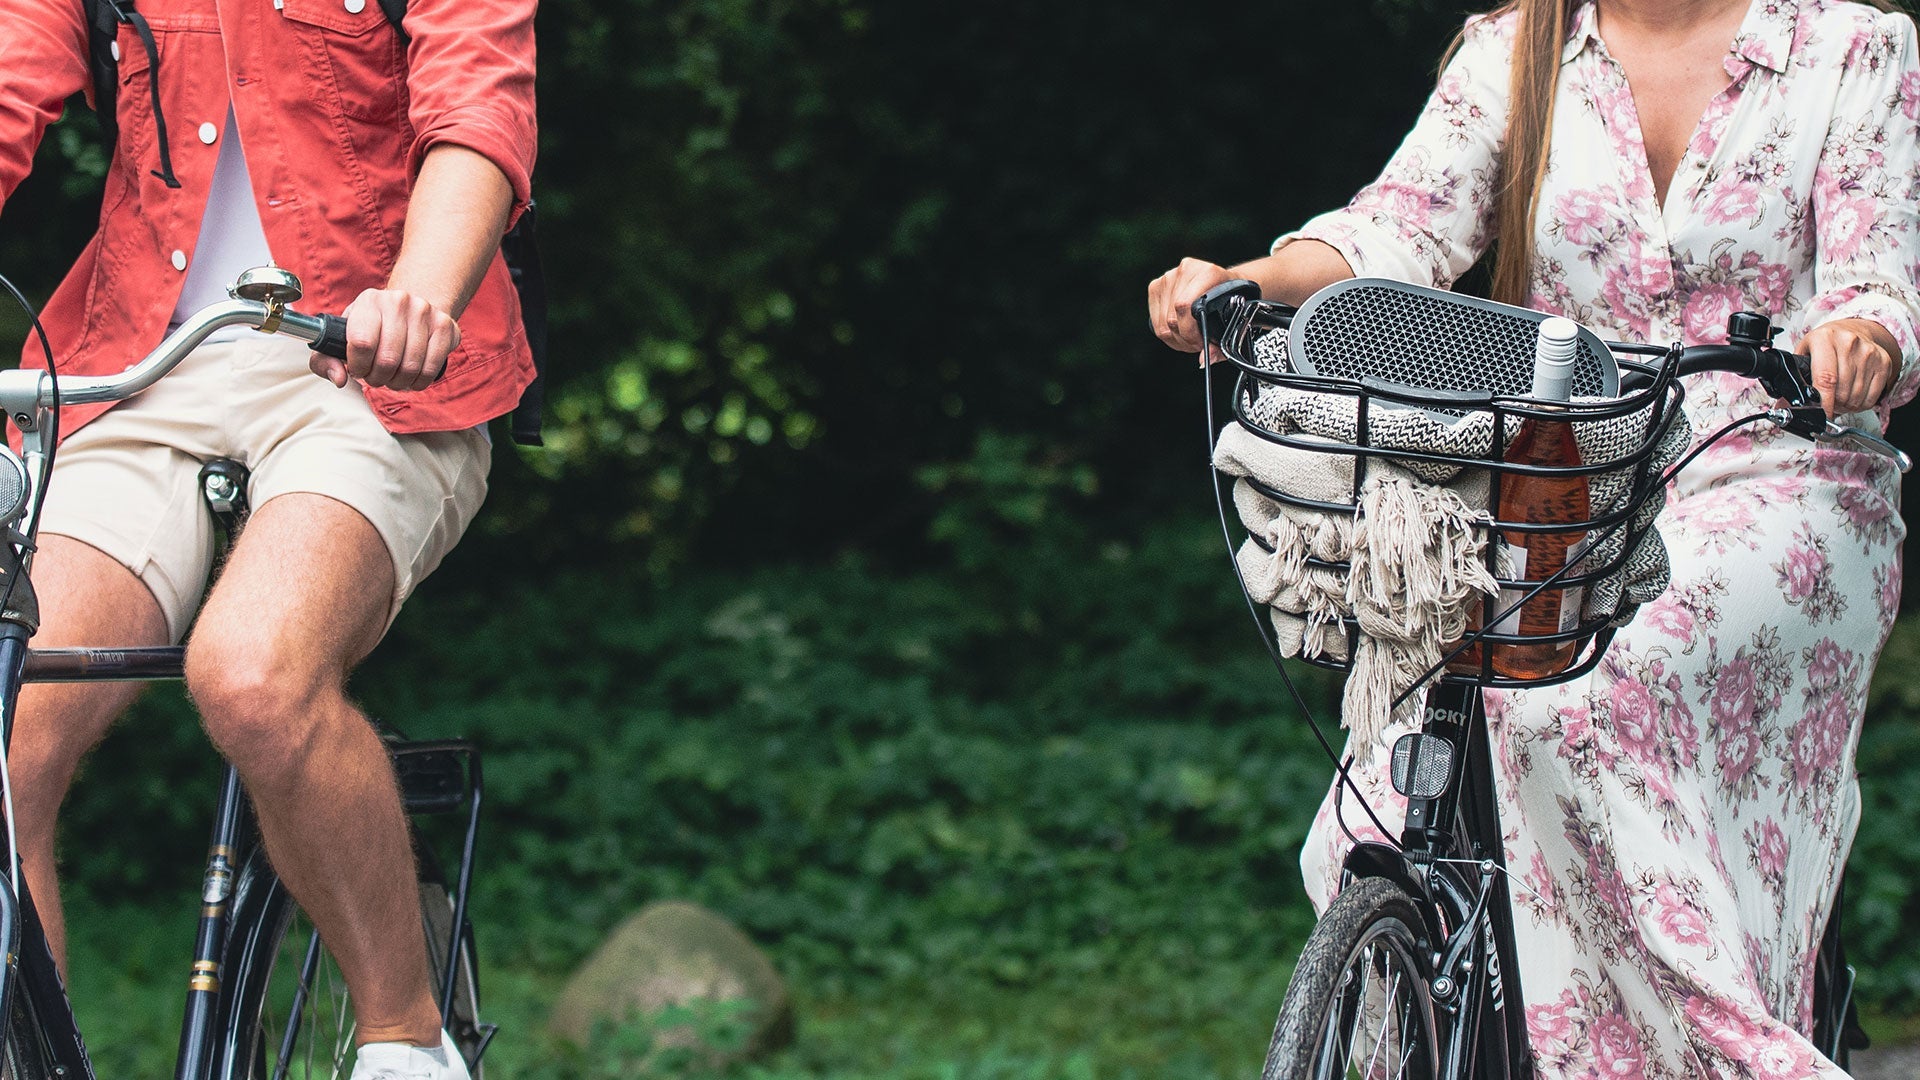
point(303, 598)
point(86, 599)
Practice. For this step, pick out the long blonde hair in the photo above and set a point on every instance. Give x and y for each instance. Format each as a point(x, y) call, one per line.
point(1537, 45)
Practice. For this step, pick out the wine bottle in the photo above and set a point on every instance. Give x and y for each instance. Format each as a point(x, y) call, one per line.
point(1536, 499)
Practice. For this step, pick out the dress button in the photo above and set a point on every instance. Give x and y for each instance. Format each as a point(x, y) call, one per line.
point(179, 260)
point(208, 133)
point(114, 48)
point(355, 7)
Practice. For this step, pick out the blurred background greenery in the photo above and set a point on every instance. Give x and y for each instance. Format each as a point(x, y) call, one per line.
point(866, 591)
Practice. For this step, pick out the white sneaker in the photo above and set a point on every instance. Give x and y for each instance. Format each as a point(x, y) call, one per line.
point(405, 1061)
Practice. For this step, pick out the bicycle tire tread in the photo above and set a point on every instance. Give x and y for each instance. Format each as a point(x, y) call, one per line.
point(1330, 950)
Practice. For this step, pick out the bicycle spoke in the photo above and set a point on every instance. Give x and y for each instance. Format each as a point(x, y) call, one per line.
point(1406, 1034)
point(290, 1042)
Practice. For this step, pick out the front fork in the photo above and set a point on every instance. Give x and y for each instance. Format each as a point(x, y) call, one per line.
point(1453, 861)
point(198, 1036)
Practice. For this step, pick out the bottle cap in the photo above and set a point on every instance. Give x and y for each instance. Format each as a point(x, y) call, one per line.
point(1553, 358)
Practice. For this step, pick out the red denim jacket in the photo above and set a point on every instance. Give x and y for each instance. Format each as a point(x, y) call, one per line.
point(336, 114)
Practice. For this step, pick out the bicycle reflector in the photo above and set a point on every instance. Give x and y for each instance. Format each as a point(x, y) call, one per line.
point(1422, 764)
point(13, 484)
point(1389, 331)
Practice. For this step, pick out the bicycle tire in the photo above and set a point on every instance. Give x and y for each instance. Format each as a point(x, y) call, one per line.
point(1359, 1004)
point(285, 963)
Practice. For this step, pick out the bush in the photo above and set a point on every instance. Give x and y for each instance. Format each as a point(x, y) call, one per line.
point(1003, 773)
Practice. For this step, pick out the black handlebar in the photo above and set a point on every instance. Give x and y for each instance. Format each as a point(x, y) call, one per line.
point(1218, 304)
point(1748, 352)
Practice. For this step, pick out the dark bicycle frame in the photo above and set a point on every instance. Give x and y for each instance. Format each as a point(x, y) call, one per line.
point(1462, 895)
point(243, 904)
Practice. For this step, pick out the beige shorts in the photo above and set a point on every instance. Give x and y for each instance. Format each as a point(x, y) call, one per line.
point(127, 483)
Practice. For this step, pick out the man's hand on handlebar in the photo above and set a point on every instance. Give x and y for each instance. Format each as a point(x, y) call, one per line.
point(395, 338)
point(1854, 363)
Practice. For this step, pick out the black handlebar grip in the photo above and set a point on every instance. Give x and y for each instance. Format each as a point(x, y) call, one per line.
point(1802, 368)
point(1787, 376)
point(333, 338)
point(1217, 304)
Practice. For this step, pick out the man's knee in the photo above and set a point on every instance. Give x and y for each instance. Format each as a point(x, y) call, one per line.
point(261, 707)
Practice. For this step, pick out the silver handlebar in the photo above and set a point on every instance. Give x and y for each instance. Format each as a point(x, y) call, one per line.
point(27, 395)
point(92, 389)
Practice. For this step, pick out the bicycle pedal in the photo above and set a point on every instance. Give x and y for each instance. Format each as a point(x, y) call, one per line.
point(1422, 765)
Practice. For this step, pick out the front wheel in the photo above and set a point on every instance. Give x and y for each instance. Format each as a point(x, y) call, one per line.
point(1359, 1006)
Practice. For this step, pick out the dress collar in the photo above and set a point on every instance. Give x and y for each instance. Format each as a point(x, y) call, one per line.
point(1765, 37)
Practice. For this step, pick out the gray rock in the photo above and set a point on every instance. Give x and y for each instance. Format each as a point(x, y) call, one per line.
point(677, 954)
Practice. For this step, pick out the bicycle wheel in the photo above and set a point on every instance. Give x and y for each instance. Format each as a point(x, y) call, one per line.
point(25, 1056)
point(1359, 1005)
point(295, 1020)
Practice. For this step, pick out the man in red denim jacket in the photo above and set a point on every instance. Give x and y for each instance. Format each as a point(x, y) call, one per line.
point(383, 171)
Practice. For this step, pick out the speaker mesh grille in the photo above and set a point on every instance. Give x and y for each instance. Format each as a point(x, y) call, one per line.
point(1435, 340)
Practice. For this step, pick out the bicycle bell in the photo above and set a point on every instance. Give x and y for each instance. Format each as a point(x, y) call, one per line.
point(271, 286)
point(267, 285)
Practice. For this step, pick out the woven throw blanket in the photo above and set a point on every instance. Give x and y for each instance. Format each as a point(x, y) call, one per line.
point(1416, 543)
point(1415, 555)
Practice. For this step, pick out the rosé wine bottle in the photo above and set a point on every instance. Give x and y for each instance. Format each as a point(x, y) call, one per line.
point(1543, 500)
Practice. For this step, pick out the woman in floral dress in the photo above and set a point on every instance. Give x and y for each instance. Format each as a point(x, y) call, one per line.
point(1679, 817)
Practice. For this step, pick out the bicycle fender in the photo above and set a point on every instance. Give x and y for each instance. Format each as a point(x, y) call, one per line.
point(1370, 858)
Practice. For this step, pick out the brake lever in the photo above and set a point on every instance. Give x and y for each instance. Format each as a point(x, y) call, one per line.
point(1867, 441)
point(1810, 422)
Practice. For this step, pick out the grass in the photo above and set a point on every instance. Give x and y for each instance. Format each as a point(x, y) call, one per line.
point(1138, 1020)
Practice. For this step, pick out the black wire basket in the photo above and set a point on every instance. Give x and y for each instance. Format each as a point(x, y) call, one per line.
point(1373, 350)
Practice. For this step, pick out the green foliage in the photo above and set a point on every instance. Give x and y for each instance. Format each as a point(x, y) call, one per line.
point(1000, 495)
point(690, 1040)
point(801, 250)
point(1881, 903)
point(998, 773)
point(977, 815)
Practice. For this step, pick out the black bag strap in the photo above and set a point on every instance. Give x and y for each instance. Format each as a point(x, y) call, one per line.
point(102, 29)
point(396, 11)
point(523, 263)
point(103, 19)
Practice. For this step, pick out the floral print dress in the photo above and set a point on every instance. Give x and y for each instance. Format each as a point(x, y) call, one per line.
point(1677, 820)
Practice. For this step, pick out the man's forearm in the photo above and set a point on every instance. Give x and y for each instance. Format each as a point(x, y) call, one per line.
point(455, 218)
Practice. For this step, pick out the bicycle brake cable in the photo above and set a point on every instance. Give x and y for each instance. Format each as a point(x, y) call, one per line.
point(1667, 477)
point(6, 598)
point(53, 423)
point(1342, 766)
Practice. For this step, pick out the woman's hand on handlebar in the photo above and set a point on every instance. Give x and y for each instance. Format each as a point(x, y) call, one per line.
point(1854, 363)
point(395, 338)
point(1290, 275)
point(1170, 300)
